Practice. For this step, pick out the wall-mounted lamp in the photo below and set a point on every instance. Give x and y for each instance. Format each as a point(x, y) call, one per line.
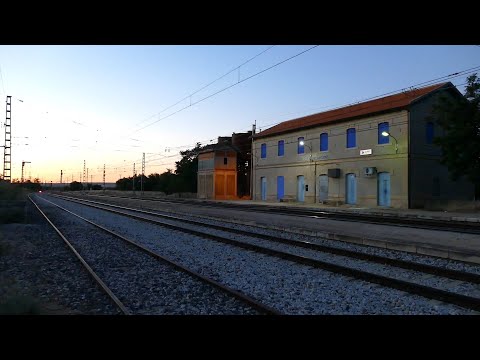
point(386, 133)
point(303, 143)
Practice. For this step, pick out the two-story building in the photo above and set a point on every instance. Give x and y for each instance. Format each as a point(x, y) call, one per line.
point(223, 168)
point(375, 153)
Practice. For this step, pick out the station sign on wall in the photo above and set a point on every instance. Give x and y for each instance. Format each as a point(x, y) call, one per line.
point(366, 152)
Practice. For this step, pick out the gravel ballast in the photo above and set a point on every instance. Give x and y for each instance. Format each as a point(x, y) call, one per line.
point(288, 287)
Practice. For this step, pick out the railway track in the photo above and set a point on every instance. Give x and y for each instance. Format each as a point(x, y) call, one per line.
point(385, 219)
point(307, 253)
point(172, 275)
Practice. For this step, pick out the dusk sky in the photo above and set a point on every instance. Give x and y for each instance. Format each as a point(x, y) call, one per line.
point(108, 104)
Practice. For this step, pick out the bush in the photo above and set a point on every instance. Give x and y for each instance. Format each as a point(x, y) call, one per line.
point(10, 191)
point(11, 214)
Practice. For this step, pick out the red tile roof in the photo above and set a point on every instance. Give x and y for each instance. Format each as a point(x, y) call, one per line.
point(388, 103)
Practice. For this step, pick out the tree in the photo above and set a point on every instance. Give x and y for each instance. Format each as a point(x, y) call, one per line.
point(34, 186)
point(186, 169)
point(124, 183)
point(76, 186)
point(460, 144)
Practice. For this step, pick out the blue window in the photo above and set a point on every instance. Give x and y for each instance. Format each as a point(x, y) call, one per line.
point(264, 151)
point(281, 147)
point(381, 128)
point(429, 132)
point(351, 139)
point(324, 142)
point(301, 148)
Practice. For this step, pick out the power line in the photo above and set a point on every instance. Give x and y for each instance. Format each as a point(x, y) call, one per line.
point(454, 75)
point(204, 87)
point(228, 87)
point(430, 82)
point(332, 130)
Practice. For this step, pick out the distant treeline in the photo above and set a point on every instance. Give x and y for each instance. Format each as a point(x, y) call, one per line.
point(184, 179)
point(167, 182)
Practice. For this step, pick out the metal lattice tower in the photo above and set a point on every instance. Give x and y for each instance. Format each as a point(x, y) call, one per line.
point(133, 179)
point(103, 177)
point(84, 168)
point(7, 150)
point(143, 172)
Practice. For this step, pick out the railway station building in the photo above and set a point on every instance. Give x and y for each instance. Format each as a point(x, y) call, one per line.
point(375, 153)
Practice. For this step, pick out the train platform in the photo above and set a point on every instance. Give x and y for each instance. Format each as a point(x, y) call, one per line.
point(455, 245)
point(466, 216)
point(444, 244)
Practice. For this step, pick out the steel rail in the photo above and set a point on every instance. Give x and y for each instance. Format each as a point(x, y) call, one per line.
point(99, 281)
point(244, 298)
point(409, 265)
point(413, 288)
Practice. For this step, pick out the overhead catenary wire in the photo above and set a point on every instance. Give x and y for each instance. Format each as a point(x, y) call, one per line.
point(425, 83)
point(332, 134)
point(334, 129)
point(450, 76)
point(177, 155)
point(342, 126)
point(228, 87)
point(211, 83)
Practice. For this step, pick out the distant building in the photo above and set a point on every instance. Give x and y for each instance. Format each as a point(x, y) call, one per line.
point(224, 168)
point(341, 157)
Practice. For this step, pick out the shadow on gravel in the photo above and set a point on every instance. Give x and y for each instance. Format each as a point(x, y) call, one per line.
point(20, 305)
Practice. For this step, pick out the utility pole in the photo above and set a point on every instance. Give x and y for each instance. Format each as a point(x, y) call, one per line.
point(252, 189)
point(23, 164)
point(143, 172)
point(133, 177)
point(103, 177)
point(61, 179)
point(7, 149)
point(84, 166)
point(87, 180)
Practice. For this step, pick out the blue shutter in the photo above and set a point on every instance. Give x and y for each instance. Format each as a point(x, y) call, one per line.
point(264, 151)
point(280, 148)
point(381, 128)
point(429, 133)
point(351, 140)
point(280, 187)
point(324, 142)
point(301, 148)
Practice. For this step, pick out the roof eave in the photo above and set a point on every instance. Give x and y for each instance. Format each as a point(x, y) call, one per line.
point(345, 119)
point(447, 86)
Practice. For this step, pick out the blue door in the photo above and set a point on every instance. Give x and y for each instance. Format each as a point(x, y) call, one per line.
point(280, 187)
point(263, 181)
point(300, 188)
point(384, 189)
point(323, 182)
point(351, 189)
